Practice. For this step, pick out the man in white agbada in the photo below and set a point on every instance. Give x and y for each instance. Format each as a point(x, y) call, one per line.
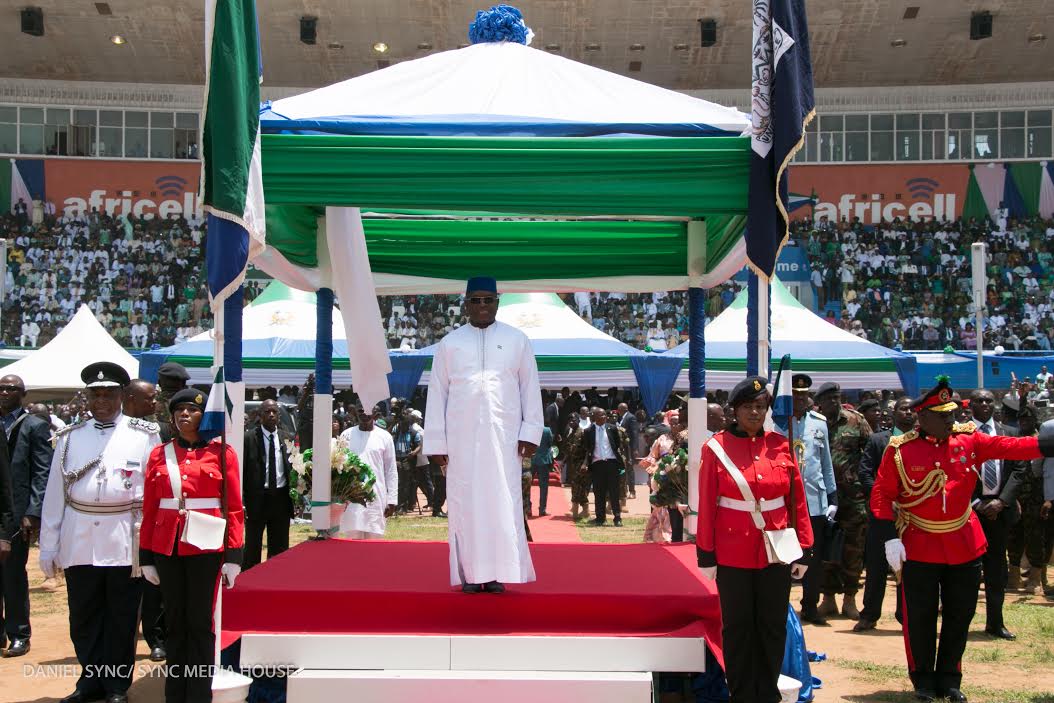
point(375, 447)
point(484, 414)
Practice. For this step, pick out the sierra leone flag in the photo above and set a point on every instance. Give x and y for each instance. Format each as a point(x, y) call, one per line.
point(218, 409)
point(783, 399)
point(781, 105)
point(232, 178)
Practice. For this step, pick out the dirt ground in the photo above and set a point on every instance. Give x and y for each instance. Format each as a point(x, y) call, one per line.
point(859, 668)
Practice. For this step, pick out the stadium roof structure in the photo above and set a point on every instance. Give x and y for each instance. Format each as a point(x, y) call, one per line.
point(658, 42)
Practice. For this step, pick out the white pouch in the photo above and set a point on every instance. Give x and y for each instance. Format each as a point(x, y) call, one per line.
point(781, 546)
point(200, 530)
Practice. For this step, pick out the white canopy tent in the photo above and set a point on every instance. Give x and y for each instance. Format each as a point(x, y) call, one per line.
point(54, 370)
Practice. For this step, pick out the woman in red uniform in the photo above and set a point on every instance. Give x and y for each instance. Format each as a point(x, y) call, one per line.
point(188, 574)
point(752, 581)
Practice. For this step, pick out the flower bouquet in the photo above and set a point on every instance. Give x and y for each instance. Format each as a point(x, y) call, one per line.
point(351, 479)
point(669, 483)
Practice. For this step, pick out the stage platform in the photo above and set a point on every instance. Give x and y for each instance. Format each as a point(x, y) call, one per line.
point(598, 613)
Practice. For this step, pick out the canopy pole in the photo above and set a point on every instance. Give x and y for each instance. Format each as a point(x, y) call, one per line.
point(322, 415)
point(759, 351)
point(697, 430)
point(978, 260)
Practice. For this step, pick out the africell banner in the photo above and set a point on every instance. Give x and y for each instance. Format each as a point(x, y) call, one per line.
point(877, 193)
point(140, 188)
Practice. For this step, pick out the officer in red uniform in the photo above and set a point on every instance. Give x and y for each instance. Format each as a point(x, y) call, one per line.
point(187, 574)
point(921, 500)
point(753, 586)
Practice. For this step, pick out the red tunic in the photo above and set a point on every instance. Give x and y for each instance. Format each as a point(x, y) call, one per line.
point(200, 479)
point(768, 465)
point(961, 456)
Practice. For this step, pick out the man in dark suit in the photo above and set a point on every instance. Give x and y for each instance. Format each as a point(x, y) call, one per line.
point(628, 421)
point(265, 487)
point(874, 547)
point(995, 502)
point(603, 452)
point(29, 449)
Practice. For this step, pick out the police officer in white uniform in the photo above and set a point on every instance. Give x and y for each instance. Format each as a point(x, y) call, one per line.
point(90, 528)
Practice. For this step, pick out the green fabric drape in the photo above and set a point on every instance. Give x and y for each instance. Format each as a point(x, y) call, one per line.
point(684, 177)
point(975, 206)
point(293, 230)
point(1027, 177)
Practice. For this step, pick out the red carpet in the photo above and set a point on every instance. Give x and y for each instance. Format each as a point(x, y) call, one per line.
point(557, 526)
point(378, 587)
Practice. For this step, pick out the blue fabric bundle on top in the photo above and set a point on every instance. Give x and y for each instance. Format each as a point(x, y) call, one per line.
point(499, 23)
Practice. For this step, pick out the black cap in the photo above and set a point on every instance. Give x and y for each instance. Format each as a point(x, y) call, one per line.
point(191, 396)
point(105, 374)
point(867, 405)
point(938, 399)
point(747, 390)
point(829, 387)
point(801, 383)
point(171, 369)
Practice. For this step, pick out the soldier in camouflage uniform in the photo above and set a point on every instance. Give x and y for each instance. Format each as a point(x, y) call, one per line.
point(623, 479)
point(578, 474)
point(171, 379)
point(849, 434)
point(1027, 536)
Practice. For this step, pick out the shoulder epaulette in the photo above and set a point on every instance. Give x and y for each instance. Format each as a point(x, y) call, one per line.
point(144, 425)
point(818, 415)
point(964, 427)
point(854, 413)
point(69, 428)
point(903, 438)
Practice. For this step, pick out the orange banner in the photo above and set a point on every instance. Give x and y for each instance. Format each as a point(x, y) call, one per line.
point(876, 193)
point(141, 188)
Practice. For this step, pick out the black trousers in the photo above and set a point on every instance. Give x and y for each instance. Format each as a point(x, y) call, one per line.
point(605, 487)
point(188, 586)
point(104, 610)
point(995, 568)
point(950, 589)
point(14, 591)
point(877, 571)
point(812, 582)
point(422, 478)
point(439, 488)
point(152, 615)
point(676, 524)
point(275, 519)
point(754, 630)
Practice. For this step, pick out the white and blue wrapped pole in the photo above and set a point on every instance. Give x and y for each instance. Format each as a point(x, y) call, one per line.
point(697, 432)
point(759, 349)
point(322, 415)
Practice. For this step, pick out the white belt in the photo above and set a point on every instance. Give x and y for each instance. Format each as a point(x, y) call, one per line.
point(746, 506)
point(189, 503)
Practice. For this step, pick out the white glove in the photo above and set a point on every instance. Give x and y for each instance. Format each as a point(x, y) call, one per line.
point(47, 563)
point(832, 510)
point(230, 573)
point(798, 570)
point(895, 554)
point(709, 572)
point(150, 574)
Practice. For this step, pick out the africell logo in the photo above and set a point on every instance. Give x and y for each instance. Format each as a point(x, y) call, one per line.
point(924, 203)
point(171, 197)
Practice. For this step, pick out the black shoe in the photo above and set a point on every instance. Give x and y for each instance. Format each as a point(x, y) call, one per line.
point(618, 522)
point(439, 514)
point(158, 654)
point(542, 513)
point(19, 647)
point(494, 587)
point(1001, 633)
point(925, 694)
point(78, 697)
point(117, 698)
point(471, 588)
point(812, 617)
point(597, 523)
point(955, 695)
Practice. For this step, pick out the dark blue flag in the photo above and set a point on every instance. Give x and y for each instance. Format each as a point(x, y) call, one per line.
point(781, 105)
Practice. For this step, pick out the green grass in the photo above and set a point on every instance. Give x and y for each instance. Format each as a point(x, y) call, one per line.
point(632, 531)
point(883, 673)
point(1034, 626)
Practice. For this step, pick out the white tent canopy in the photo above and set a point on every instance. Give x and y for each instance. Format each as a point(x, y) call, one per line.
point(54, 370)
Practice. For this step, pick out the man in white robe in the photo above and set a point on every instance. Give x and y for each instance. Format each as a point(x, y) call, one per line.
point(484, 414)
point(375, 447)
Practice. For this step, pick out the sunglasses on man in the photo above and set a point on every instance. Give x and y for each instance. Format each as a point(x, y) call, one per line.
point(483, 300)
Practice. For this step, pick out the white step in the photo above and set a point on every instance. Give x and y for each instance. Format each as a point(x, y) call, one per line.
point(324, 685)
point(498, 653)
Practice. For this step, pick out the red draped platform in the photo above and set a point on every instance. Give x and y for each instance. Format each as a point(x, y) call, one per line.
point(402, 588)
